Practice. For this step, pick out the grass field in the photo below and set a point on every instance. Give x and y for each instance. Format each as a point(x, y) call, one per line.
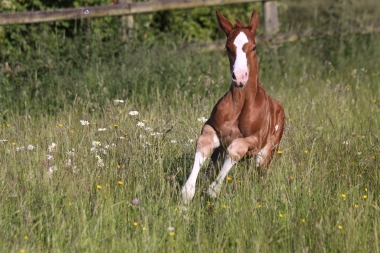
point(81, 172)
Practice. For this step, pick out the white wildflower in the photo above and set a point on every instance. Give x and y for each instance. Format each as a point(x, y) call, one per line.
point(84, 122)
point(140, 124)
point(191, 140)
point(52, 147)
point(49, 157)
point(149, 129)
point(173, 141)
point(96, 144)
point(51, 170)
point(146, 144)
point(116, 101)
point(68, 162)
point(133, 113)
point(102, 129)
point(171, 229)
point(103, 151)
point(155, 134)
point(202, 119)
point(75, 169)
point(100, 163)
point(71, 152)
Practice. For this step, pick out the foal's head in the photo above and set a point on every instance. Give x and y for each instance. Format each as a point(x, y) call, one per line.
point(241, 48)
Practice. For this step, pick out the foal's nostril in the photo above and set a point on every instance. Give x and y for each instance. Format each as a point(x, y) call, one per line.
point(233, 76)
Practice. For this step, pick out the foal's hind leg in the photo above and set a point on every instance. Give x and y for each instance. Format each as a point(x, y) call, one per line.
point(206, 142)
point(264, 157)
point(216, 162)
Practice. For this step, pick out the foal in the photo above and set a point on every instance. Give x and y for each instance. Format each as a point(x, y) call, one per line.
point(245, 121)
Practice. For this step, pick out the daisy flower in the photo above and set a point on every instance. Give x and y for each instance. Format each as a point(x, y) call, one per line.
point(84, 122)
point(140, 124)
point(133, 113)
point(96, 144)
point(71, 152)
point(202, 119)
point(52, 147)
point(116, 101)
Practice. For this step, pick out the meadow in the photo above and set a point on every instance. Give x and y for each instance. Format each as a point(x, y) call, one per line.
point(97, 140)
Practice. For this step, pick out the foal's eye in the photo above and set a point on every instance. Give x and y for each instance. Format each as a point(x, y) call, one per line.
point(254, 49)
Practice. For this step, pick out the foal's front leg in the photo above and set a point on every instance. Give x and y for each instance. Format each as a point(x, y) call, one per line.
point(206, 142)
point(236, 150)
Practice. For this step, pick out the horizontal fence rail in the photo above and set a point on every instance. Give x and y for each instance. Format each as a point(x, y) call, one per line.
point(110, 10)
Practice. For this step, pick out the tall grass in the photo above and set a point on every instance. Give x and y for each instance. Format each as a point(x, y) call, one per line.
point(118, 189)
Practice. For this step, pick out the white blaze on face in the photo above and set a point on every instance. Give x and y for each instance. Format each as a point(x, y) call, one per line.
point(240, 68)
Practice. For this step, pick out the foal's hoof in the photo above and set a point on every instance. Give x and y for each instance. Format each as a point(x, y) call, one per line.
point(213, 190)
point(188, 192)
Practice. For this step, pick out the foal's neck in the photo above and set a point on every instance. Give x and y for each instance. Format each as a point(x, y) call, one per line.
point(247, 93)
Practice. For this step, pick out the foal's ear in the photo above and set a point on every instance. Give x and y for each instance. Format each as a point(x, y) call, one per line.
point(252, 26)
point(224, 23)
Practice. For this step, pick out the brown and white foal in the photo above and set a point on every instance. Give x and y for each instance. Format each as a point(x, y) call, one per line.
point(245, 121)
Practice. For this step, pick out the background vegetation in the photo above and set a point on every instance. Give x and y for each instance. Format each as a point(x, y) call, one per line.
point(113, 185)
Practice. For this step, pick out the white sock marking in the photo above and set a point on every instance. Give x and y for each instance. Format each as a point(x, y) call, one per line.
point(215, 187)
point(188, 190)
point(259, 158)
point(216, 141)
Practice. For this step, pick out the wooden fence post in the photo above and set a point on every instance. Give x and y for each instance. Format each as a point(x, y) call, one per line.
point(126, 22)
point(271, 24)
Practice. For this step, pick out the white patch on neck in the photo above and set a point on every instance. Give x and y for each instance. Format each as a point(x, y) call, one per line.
point(241, 58)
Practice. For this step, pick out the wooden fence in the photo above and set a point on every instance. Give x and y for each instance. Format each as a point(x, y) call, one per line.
point(127, 8)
